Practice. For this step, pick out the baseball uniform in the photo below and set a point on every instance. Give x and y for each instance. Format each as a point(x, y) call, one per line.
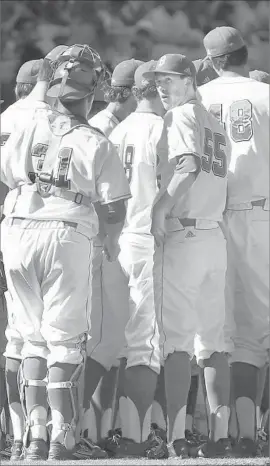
point(242, 106)
point(47, 230)
point(138, 156)
point(105, 121)
point(109, 312)
point(190, 267)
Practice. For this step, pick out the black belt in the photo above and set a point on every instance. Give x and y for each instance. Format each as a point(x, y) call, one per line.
point(188, 222)
point(259, 203)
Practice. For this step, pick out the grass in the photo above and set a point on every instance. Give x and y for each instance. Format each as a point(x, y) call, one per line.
point(169, 462)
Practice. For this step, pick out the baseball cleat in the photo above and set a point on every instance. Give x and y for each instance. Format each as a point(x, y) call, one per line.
point(194, 440)
point(220, 449)
point(153, 448)
point(178, 449)
point(263, 443)
point(159, 432)
point(86, 449)
point(245, 448)
point(37, 450)
point(109, 443)
point(16, 450)
point(58, 452)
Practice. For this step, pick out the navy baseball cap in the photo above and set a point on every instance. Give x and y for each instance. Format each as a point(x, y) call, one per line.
point(204, 71)
point(222, 40)
point(28, 72)
point(123, 73)
point(139, 79)
point(173, 63)
point(260, 76)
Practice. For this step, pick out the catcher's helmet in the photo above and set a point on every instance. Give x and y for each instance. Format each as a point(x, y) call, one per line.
point(78, 69)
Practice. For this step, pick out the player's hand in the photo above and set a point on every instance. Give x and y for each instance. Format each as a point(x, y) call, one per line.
point(111, 249)
point(187, 164)
point(158, 228)
point(46, 70)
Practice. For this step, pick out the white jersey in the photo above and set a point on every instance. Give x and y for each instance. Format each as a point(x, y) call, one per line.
point(105, 121)
point(136, 139)
point(190, 129)
point(242, 106)
point(17, 115)
point(83, 162)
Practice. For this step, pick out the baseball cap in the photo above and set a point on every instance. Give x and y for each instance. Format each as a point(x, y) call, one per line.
point(123, 74)
point(28, 72)
point(222, 40)
point(139, 80)
point(173, 63)
point(56, 52)
point(261, 76)
point(204, 71)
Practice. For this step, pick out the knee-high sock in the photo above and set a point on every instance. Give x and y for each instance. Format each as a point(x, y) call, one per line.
point(139, 386)
point(245, 390)
point(103, 399)
point(159, 409)
point(217, 381)
point(35, 396)
point(15, 407)
point(260, 390)
point(93, 373)
point(192, 401)
point(177, 382)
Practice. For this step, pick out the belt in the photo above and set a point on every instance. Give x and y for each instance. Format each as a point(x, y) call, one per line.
point(188, 222)
point(259, 203)
point(19, 220)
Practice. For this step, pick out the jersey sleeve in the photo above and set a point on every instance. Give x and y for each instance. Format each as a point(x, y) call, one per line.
point(182, 133)
point(111, 181)
point(154, 139)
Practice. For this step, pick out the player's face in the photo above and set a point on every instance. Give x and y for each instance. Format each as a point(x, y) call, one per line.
point(171, 89)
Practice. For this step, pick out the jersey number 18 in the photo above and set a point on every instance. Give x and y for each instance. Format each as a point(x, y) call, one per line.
point(240, 114)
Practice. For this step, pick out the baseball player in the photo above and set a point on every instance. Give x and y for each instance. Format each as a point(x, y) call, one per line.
point(241, 104)
point(109, 302)
point(260, 76)
point(190, 258)
point(204, 71)
point(33, 77)
point(120, 99)
point(138, 156)
point(56, 168)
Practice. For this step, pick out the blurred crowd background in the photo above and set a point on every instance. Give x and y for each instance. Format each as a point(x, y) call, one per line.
point(123, 29)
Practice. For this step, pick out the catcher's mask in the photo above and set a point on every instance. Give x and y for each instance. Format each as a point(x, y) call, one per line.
point(77, 71)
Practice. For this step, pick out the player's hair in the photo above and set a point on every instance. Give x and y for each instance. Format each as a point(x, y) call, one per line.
point(237, 58)
point(147, 92)
point(22, 90)
point(116, 93)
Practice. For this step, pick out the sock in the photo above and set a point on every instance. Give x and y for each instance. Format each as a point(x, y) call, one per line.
point(93, 373)
point(245, 391)
point(35, 397)
point(260, 390)
point(159, 410)
point(140, 386)
point(192, 401)
point(105, 395)
point(63, 410)
point(15, 407)
point(177, 382)
point(217, 382)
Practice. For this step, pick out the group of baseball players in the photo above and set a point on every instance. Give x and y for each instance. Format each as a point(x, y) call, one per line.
point(135, 242)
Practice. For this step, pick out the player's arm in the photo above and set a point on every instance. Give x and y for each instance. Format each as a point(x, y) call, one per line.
point(44, 76)
point(182, 139)
point(113, 190)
